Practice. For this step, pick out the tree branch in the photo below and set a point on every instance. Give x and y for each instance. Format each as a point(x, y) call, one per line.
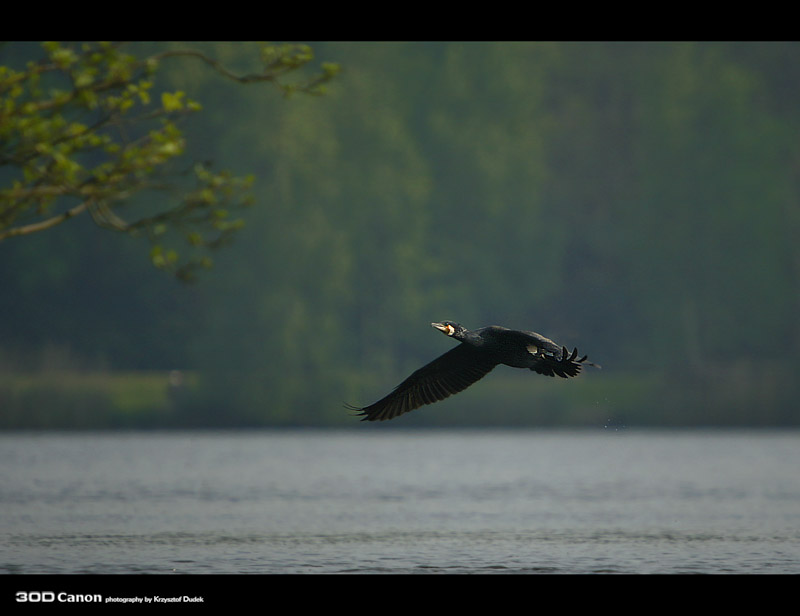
point(217, 66)
point(44, 224)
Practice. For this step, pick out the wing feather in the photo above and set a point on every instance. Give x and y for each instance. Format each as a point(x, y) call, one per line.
point(565, 366)
point(446, 375)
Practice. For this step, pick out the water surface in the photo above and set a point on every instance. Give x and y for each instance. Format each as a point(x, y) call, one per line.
point(369, 501)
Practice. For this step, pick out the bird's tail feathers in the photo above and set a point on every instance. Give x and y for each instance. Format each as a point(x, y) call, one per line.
point(567, 365)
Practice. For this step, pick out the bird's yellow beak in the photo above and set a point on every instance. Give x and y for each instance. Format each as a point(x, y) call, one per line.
point(445, 329)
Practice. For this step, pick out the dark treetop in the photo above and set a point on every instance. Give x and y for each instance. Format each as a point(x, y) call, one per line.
point(479, 352)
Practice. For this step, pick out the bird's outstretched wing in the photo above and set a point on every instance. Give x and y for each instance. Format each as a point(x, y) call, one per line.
point(564, 366)
point(446, 375)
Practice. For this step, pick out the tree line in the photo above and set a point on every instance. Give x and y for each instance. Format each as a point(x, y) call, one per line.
point(637, 200)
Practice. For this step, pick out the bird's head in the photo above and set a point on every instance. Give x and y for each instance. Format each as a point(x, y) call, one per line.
point(448, 328)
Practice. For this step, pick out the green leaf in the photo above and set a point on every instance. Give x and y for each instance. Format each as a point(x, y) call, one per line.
point(172, 101)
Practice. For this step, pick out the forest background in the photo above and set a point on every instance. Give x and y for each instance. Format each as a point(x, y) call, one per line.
point(636, 200)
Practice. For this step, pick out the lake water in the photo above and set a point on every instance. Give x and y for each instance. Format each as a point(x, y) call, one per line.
point(395, 501)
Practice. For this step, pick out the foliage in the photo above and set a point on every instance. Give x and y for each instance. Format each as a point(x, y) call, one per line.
point(82, 130)
point(637, 200)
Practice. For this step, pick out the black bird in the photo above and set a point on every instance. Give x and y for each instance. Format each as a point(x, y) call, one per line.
point(479, 352)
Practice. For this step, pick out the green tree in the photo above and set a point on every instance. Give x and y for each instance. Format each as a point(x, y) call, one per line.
point(82, 130)
point(340, 253)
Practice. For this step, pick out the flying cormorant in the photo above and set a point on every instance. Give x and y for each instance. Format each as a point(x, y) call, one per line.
point(479, 352)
